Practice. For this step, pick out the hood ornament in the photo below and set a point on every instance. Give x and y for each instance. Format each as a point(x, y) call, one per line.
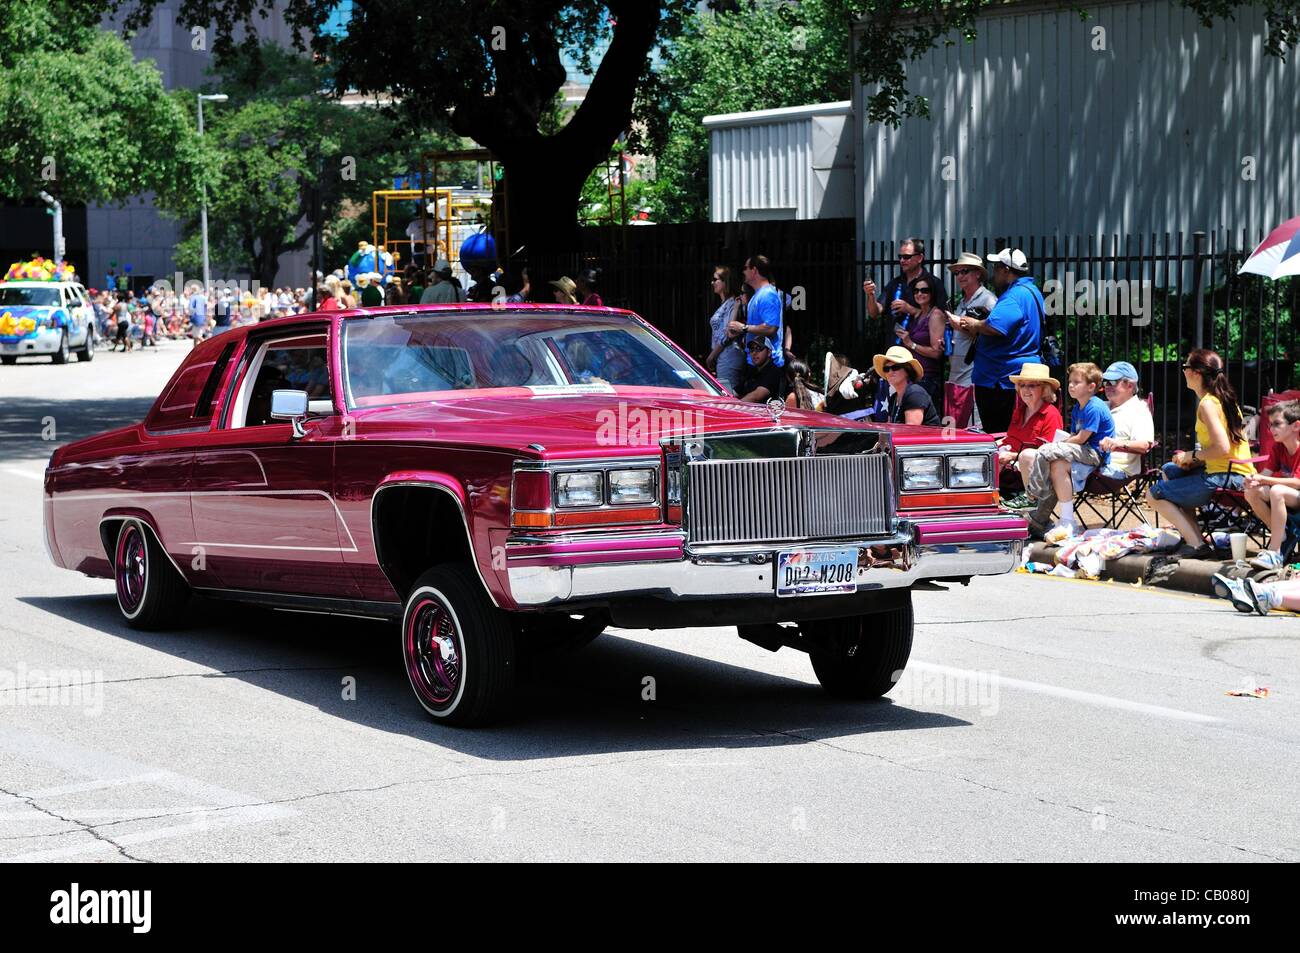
point(776, 408)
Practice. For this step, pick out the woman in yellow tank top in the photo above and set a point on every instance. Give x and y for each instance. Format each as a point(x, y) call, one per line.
point(1221, 461)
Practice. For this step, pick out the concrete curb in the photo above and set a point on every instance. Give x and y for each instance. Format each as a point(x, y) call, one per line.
point(1192, 575)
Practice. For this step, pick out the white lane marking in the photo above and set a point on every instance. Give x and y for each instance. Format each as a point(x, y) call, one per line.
point(204, 806)
point(95, 785)
point(1072, 694)
point(29, 474)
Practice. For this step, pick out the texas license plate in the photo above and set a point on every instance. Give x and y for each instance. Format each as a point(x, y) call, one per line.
point(810, 572)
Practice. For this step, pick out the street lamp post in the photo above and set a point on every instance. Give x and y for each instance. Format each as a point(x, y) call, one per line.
point(203, 208)
point(56, 209)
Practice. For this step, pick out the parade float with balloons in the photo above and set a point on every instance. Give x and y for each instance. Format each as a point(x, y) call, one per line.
point(44, 310)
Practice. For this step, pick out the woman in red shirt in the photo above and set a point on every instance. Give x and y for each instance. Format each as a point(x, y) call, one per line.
point(1034, 422)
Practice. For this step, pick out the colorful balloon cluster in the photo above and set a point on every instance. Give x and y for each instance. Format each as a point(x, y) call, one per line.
point(41, 269)
point(15, 327)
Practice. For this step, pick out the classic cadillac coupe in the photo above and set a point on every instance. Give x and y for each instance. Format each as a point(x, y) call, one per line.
point(507, 479)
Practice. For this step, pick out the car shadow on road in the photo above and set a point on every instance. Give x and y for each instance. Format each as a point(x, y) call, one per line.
point(32, 427)
point(590, 701)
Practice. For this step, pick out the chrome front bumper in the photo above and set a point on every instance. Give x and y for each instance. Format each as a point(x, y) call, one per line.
point(740, 572)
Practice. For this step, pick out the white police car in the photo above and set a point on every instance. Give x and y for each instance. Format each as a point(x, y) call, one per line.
point(45, 317)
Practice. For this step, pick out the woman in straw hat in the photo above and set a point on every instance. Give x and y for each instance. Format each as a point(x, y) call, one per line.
point(1034, 422)
point(909, 402)
point(564, 290)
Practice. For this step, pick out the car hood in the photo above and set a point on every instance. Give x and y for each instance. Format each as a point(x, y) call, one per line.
point(590, 424)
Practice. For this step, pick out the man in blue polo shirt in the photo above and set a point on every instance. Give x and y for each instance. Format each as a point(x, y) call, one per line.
point(1009, 337)
point(763, 316)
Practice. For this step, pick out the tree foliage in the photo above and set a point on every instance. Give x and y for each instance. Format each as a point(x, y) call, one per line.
point(282, 147)
point(80, 118)
point(764, 56)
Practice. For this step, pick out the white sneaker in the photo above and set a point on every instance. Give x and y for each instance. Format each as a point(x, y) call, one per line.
point(1267, 559)
point(1225, 587)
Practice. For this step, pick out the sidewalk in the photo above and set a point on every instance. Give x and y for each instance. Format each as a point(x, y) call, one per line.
point(1186, 575)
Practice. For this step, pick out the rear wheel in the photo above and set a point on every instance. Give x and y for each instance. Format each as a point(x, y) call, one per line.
point(861, 656)
point(8, 360)
point(61, 355)
point(458, 648)
point(150, 592)
point(87, 350)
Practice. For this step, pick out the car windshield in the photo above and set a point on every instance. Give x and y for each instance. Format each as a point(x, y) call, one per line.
point(414, 355)
point(17, 294)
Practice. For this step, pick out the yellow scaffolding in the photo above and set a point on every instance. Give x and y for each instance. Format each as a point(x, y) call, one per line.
point(380, 206)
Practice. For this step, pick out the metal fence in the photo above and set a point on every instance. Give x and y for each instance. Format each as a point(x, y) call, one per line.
point(1147, 299)
point(663, 273)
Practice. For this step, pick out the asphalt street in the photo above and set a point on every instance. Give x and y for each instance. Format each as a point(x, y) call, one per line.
point(1041, 719)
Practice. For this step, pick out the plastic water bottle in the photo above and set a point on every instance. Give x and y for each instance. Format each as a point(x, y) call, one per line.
point(898, 294)
point(947, 340)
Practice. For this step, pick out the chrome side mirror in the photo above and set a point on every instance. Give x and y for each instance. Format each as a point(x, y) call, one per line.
point(290, 405)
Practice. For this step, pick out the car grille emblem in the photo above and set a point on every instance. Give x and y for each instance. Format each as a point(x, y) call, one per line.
point(776, 408)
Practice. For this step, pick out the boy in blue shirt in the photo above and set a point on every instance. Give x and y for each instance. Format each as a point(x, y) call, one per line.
point(1050, 477)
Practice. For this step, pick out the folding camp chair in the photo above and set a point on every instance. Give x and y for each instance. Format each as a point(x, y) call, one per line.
point(1125, 497)
point(1228, 512)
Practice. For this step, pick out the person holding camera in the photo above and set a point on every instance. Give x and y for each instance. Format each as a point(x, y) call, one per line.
point(976, 302)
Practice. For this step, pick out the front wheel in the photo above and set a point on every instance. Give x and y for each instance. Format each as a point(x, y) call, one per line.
point(61, 355)
point(861, 656)
point(458, 648)
point(150, 592)
point(8, 360)
point(87, 350)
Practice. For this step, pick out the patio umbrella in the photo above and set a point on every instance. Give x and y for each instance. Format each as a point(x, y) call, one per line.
point(1278, 255)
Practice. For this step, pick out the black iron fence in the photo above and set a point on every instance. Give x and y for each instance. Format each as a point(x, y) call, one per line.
point(1147, 299)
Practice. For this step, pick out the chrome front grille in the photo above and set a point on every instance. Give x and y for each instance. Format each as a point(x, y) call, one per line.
point(789, 498)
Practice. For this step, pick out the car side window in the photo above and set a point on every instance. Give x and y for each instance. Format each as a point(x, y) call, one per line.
point(281, 366)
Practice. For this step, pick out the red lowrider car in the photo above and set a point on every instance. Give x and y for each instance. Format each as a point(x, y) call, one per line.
point(499, 478)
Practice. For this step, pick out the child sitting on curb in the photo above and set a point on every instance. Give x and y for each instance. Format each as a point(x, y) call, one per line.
point(1050, 478)
point(1275, 489)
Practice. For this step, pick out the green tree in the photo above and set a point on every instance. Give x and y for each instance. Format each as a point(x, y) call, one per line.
point(766, 56)
point(489, 69)
point(285, 154)
point(80, 118)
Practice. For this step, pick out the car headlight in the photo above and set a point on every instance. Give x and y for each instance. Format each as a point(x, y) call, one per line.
point(632, 486)
point(922, 473)
point(579, 488)
point(968, 471)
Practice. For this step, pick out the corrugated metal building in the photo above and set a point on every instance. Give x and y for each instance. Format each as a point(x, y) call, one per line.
point(1136, 120)
point(793, 163)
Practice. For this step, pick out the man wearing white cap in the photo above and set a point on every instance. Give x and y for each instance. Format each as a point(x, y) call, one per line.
point(1009, 337)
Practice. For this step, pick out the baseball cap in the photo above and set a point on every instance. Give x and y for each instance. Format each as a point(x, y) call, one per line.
point(1120, 371)
point(1013, 258)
